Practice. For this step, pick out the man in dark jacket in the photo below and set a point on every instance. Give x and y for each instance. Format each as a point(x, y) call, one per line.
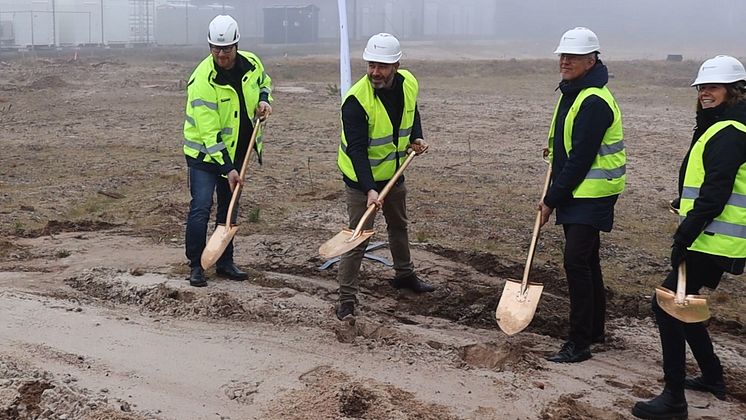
point(380, 121)
point(586, 150)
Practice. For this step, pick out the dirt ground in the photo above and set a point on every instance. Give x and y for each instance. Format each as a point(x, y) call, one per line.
point(98, 322)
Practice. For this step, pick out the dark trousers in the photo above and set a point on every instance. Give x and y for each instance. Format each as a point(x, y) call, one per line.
point(585, 283)
point(700, 270)
point(202, 185)
point(395, 212)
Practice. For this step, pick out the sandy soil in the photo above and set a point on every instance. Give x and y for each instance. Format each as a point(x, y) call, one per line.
point(98, 322)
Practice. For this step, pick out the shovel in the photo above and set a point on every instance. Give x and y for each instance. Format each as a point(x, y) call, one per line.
point(223, 234)
point(686, 308)
point(347, 239)
point(519, 299)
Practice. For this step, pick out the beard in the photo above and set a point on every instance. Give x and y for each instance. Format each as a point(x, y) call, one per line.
point(383, 83)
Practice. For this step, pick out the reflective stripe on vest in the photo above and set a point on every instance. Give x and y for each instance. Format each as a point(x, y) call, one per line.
point(383, 150)
point(726, 234)
point(607, 175)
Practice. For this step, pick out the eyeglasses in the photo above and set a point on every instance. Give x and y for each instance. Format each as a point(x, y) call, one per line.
point(573, 57)
point(709, 87)
point(217, 49)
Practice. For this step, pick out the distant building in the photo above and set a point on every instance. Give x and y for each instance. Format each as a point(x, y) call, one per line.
point(304, 21)
point(59, 23)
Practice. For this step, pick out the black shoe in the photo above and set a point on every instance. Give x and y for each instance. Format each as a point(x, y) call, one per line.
point(413, 283)
point(669, 405)
point(716, 388)
point(232, 272)
point(571, 353)
point(197, 277)
point(345, 309)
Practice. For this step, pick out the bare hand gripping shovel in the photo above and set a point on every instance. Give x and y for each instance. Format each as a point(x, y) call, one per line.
point(686, 308)
point(518, 302)
point(348, 239)
point(223, 234)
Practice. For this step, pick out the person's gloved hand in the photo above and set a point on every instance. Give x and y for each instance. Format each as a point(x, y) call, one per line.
point(678, 254)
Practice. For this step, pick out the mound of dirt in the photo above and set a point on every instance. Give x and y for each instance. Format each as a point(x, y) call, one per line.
point(330, 394)
point(513, 356)
point(48, 82)
point(27, 393)
point(568, 406)
point(54, 227)
point(105, 284)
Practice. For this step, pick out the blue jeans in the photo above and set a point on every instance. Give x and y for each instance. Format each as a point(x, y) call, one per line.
point(202, 184)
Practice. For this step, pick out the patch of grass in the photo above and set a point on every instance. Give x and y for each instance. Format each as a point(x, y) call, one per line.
point(253, 216)
point(19, 228)
point(422, 236)
point(94, 205)
point(62, 253)
point(332, 89)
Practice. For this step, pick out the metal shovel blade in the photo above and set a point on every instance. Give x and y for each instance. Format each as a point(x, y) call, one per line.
point(693, 308)
point(516, 310)
point(219, 240)
point(342, 242)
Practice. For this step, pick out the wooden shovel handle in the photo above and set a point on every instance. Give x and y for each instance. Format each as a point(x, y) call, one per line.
point(389, 185)
point(242, 174)
point(681, 285)
point(535, 235)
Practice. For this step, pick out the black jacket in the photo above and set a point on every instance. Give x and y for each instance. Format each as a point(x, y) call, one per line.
point(593, 119)
point(355, 126)
point(723, 156)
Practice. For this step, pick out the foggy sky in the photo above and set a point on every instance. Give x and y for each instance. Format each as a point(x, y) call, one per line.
point(626, 28)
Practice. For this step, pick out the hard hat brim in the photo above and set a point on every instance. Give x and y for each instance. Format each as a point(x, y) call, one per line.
point(719, 80)
point(223, 44)
point(578, 51)
point(379, 58)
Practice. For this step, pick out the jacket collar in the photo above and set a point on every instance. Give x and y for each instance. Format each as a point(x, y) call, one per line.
point(242, 66)
point(597, 76)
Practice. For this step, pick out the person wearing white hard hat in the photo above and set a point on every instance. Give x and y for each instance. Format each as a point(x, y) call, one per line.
point(711, 237)
point(588, 159)
point(380, 121)
point(226, 91)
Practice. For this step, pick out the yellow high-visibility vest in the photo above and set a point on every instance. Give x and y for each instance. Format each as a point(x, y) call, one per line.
point(213, 111)
point(383, 152)
point(607, 175)
point(726, 234)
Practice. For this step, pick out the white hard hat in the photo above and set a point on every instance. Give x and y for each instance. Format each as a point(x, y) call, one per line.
point(223, 31)
point(382, 48)
point(578, 41)
point(720, 69)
